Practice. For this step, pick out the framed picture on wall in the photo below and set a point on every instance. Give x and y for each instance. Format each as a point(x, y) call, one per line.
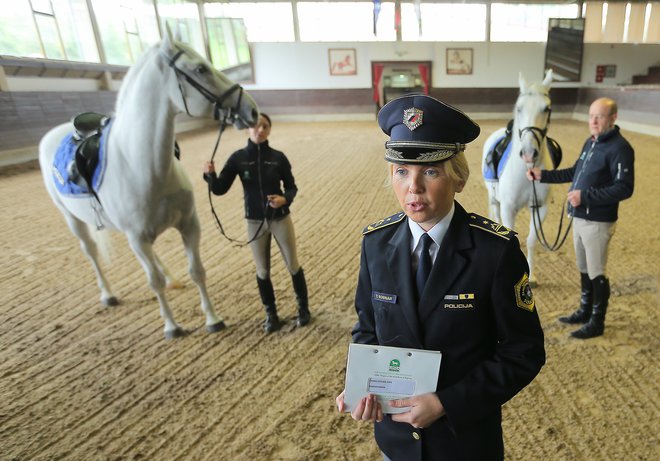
point(459, 61)
point(342, 61)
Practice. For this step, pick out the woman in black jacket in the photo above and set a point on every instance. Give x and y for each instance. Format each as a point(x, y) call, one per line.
point(264, 172)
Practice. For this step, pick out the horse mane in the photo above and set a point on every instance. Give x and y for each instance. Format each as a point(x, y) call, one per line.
point(132, 74)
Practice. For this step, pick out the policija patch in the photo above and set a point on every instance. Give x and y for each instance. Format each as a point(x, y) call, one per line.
point(524, 296)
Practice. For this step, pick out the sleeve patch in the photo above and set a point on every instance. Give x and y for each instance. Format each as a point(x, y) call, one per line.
point(524, 296)
point(384, 222)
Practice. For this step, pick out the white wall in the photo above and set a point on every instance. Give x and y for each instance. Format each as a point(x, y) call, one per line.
point(280, 66)
point(305, 65)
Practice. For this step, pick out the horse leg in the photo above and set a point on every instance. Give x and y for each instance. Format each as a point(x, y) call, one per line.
point(532, 239)
point(191, 234)
point(493, 203)
point(508, 214)
point(145, 254)
point(172, 282)
point(89, 247)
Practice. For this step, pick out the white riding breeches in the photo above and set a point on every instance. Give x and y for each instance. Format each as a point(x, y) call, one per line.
point(282, 230)
point(591, 240)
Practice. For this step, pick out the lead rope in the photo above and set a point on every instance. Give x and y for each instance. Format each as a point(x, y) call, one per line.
point(236, 242)
point(538, 227)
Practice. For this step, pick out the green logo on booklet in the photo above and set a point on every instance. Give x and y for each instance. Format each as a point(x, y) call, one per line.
point(394, 365)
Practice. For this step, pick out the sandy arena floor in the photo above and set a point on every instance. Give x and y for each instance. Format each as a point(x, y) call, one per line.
point(82, 382)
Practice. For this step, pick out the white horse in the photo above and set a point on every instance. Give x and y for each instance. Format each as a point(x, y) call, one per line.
point(145, 190)
point(529, 148)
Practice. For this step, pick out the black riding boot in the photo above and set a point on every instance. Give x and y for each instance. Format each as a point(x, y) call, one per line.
point(267, 293)
point(582, 314)
point(300, 287)
point(596, 325)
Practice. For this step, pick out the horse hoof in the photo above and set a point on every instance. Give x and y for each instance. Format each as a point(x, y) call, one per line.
point(111, 301)
point(216, 327)
point(178, 332)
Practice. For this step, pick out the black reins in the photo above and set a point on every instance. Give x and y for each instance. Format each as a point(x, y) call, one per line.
point(539, 136)
point(217, 101)
point(240, 243)
point(228, 116)
point(538, 228)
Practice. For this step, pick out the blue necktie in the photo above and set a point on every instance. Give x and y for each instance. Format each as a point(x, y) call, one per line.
point(424, 265)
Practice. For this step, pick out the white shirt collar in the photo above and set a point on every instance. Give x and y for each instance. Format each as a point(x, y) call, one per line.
point(437, 232)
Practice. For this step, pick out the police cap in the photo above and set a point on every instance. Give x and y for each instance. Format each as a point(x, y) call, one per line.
point(423, 129)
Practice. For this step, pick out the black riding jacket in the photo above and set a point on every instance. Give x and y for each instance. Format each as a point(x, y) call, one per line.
point(263, 171)
point(604, 173)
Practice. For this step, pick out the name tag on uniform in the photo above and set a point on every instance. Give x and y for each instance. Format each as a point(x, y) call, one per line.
point(384, 297)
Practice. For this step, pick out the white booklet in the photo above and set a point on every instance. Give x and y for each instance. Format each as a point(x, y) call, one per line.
point(390, 373)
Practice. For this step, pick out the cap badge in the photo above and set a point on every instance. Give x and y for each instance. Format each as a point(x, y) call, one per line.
point(412, 118)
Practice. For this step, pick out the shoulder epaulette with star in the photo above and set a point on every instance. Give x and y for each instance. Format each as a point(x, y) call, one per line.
point(395, 218)
point(493, 227)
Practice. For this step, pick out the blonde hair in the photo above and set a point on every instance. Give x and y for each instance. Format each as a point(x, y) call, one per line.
point(456, 168)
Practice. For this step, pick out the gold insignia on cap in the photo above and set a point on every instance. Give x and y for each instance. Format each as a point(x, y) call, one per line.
point(413, 118)
point(524, 296)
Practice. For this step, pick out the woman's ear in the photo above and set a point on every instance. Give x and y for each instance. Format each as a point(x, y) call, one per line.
point(459, 186)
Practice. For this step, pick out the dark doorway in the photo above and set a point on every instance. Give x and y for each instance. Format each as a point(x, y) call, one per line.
point(391, 79)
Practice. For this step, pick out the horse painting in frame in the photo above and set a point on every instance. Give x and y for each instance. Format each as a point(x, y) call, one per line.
point(145, 189)
point(512, 191)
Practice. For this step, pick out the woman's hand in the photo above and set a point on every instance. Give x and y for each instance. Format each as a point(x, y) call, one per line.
point(367, 410)
point(534, 174)
point(209, 167)
point(276, 201)
point(425, 410)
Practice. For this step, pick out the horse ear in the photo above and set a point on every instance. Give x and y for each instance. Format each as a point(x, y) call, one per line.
point(166, 44)
point(522, 83)
point(548, 78)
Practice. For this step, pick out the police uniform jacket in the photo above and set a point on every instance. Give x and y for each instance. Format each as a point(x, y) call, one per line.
point(263, 171)
point(477, 310)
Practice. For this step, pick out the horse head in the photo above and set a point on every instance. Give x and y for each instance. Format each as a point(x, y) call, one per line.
point(202, 91)
point(532, 116)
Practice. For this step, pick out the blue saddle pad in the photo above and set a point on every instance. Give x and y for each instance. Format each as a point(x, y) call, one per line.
point(488, 171)
point(66, 154)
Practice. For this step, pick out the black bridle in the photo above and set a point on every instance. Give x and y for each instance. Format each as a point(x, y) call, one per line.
point(539, 135)
point(228, 117)
point(230, 114)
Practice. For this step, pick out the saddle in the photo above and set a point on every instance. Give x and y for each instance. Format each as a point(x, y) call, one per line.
point(87, 135)
point(88, 127)
point(497, 152)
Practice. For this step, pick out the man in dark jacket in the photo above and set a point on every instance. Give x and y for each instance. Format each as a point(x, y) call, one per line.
point(602, 176)
point(438, 278)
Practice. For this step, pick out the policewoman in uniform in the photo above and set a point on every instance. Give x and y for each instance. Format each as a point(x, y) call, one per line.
point(436, 277)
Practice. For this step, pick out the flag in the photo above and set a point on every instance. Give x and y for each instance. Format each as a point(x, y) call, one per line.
point(376, 13)
point(397, 18)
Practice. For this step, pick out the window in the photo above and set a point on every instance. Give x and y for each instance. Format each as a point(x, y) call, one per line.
point(127, 29)
point(183, 19)
point(448, 22)
point(265, 22)
point(230, 50)
point(57, 29)
point(344, 22)
point(525, 23)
